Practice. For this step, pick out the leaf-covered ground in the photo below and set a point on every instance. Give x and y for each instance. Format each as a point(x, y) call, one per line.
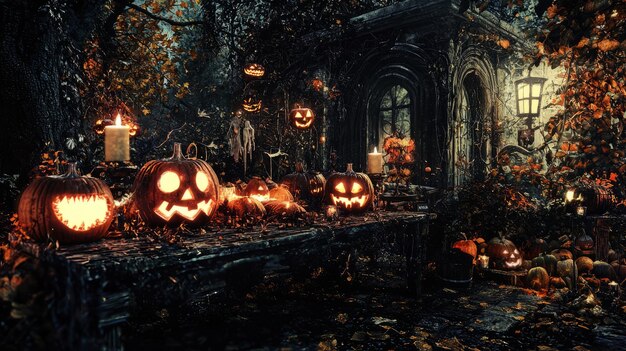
point(376, 314)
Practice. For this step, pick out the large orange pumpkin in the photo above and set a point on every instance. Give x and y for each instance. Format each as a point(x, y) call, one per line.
point(467, 246)
point(176, 190)
point(69, 208)
point(350, 191)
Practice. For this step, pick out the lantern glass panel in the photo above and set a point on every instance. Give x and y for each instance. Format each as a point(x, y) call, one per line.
point(536, 90)
point(534, 106)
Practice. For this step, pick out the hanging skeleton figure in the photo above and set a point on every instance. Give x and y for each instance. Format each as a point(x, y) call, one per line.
point(248, 143)
point(241, 140)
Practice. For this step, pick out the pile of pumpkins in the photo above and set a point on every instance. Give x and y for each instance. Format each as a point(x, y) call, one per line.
point(72, 208)
point(556, 268)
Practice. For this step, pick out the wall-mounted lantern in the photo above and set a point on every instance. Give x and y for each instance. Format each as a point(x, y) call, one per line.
point(528, 98)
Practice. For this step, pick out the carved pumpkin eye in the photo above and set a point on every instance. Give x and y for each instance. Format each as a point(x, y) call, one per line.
point(168, 182)
point(341, 188)
point(308, 113)
point(506, 252)
point(516, 252)
point(356, 188)
point(202, 181)
point(298, 115)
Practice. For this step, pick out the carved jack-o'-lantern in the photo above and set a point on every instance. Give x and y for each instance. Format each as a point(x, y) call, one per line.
point(257, 189)
point(350, 191)
point(251, 104)
point(68, 208)
point(504, 254)
point(301, 117)
point(176, 190)
point(308, 186)
point(254, 70)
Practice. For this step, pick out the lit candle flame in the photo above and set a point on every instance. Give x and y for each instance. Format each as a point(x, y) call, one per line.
point(375, 149)
point(118, 120)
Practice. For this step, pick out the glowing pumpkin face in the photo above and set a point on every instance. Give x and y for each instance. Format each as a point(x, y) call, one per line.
point(350, 191)
point(302, 118)
point(176, 190)
point(504, 254)
point(250, 104)
point(257, 189)
point(254, 70)
point(68, 208)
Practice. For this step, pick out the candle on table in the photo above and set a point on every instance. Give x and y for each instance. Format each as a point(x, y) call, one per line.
point(117, 141)
point(375, 162)
point(484, 261)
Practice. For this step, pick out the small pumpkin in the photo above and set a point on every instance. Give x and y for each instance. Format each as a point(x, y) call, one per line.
point(246, 209)
point(284, 209)
point(584, 264)
point(176, 190)
point(557, 282)
point(603, 270)
point(280, 193)
point(350, 191)
point(567, 270)
point(307, 186)
point(467, 246)
point(562, 254)
point(546, 261)
point(301, 117)
point(69, 208)
point(257, 189)
point(537, 279)
point(503, 254)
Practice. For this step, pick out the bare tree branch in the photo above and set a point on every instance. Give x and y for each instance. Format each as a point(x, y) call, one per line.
point(164, 19)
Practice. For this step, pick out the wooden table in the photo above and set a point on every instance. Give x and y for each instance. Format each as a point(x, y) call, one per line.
point(105, 282)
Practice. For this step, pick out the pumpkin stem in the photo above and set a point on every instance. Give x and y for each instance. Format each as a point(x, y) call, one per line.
point(72, 170)
point(349, 168)
point(178, 153)
point(299, 167)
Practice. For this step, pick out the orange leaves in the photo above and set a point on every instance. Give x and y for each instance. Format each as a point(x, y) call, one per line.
point(504, 43)
point(597, 114)
point(608, 44)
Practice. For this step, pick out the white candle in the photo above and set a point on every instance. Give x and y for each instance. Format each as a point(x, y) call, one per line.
point(375, 162)
point(117, 141)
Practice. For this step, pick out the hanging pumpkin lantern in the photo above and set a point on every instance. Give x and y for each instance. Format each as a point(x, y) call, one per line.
point(251, 104)
point(254, 70)
point(281, 193)
point(246, 209)
point(307, 186)
point(302, 117)
point(467, 246)
point(504, 254)
point(69, 208)
point(351, 191)
point(285, 210)
point(257, 189)
point(176, 190)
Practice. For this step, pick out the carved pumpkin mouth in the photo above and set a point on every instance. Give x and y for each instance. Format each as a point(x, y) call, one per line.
point(81, 212)
point(349, 202)
point(513, 264)
point(167, 210)
point(306, 124)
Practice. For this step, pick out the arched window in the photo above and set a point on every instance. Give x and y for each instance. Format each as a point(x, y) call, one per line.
point(394, 113)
